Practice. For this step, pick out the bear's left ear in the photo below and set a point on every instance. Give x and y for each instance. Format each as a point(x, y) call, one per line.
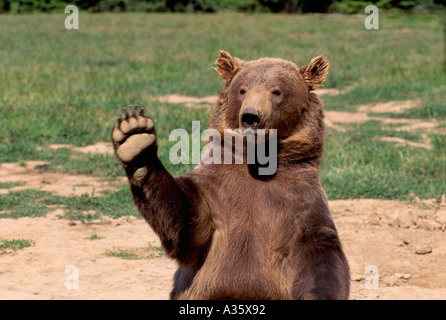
point(227, 66)
point(314, 73)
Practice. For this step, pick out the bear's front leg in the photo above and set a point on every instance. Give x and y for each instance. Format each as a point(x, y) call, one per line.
point(169, 205)
point(323, 272)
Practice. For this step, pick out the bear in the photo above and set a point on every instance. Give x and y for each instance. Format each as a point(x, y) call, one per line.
point(234, 233)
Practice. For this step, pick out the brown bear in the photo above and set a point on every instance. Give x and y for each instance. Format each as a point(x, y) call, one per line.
point(236, 234)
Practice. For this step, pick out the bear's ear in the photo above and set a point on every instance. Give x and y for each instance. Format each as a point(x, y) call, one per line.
point(314, 73)
point(227, 66)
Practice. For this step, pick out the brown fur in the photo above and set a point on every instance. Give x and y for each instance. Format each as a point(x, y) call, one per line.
point(239, 236)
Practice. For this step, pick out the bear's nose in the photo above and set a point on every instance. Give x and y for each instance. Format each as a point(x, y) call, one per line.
point(250, 118)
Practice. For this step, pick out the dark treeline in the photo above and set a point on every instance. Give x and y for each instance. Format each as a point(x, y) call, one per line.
point(289, 6)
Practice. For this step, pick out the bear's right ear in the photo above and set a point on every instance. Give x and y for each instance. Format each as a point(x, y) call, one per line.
point(227, 66)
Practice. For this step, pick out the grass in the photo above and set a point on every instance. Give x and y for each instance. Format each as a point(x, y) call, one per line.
point(61, 86)
point(34, 203)
point(360, 166)
point(113, 204)
point(95, 236)
point(15, 244)
point(26, 203)
point(8, 185)
point(137, 253)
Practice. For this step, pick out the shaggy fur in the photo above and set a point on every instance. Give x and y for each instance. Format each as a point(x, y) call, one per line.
point(234, 234)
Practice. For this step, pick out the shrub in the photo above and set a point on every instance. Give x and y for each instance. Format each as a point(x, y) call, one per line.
point(323, 6)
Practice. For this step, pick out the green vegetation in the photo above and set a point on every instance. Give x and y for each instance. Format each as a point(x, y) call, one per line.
point(15, 244)
point(113, 204)
point(358, 165)
point(95, 236)
point(137, 253)
point(122, 253)
point(210, 6)
point(68, 86)
point(26, 203)
point(7, 185)
point(34, 203)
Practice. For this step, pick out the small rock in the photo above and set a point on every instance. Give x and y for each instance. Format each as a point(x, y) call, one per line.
point(373, 219)
point(423, 249)
point(440, 216)
point(405, 276)
point(429, 225)
point(105, 221)
point(357, 277)
point(404, 220)
point(397, 279)
point(71, 223)
point(391, 281)
point(405, 241)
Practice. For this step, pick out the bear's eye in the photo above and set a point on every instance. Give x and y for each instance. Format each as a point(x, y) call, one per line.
point(276, 92)
point(242, 91)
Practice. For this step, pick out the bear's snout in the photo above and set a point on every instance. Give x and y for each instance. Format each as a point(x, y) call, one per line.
point(250, 118)
point(255, 110)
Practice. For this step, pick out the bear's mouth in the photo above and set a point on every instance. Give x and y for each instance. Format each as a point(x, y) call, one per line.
point(256, 135)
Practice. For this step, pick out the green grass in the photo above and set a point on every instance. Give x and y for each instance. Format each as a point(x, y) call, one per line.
point(7, 185)
point(26, 203)
point(137, 253)
point(95, 236)
point(70, 87)
point(61, 86)
point(360, 166)
point(34, 203)
point(15, 244)
point(113, 204)
point(123, 254)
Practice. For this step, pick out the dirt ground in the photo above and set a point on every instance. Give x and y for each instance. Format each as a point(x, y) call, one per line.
point(396, 250)
point(405, 244)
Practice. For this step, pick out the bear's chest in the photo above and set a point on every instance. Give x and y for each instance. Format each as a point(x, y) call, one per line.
point(251, 214)
point(235, 195)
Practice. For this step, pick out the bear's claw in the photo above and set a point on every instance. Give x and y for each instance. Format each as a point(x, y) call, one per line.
point(132, 134)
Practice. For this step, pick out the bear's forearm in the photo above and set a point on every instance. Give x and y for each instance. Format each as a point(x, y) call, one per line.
point(165, 204)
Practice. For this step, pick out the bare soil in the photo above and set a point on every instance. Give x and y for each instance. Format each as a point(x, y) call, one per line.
point(190, 102)
point(100, 147)
point(34, 175)
point(404, 242)
point(390, 106)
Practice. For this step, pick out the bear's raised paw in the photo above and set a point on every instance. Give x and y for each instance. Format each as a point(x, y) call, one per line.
point(132, 134)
